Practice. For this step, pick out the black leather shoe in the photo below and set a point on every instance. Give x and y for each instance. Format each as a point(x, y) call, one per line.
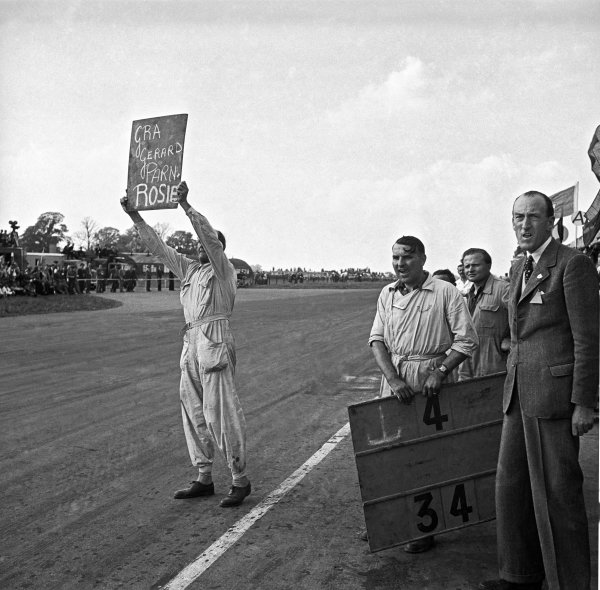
point(505, 585)
point(196, 490)
point(236, 496)
point(420, 545)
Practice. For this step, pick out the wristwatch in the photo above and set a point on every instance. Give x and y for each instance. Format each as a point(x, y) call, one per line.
point(443, 369)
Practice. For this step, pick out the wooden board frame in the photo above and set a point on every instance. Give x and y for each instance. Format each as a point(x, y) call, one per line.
point(428, 467)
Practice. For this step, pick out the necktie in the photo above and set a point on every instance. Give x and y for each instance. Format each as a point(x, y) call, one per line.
point(528, 268)
point(472, 299)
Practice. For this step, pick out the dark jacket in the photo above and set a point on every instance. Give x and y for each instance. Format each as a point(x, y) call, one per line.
point(554, 334)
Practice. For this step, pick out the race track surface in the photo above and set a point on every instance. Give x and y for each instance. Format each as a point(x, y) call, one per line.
point(92, 448)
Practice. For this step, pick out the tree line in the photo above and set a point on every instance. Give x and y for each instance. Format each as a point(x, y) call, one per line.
point(50, 231)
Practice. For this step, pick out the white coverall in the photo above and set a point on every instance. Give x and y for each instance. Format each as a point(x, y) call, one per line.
point(210, 406)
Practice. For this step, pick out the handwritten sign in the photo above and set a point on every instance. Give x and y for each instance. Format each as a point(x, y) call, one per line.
point(155, 160)
point(428, 467)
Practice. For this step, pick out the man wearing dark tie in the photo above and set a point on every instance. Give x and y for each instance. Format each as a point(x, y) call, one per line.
point(487, 301)
point(549, 398)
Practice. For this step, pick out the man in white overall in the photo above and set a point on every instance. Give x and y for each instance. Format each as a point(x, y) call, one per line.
point(210, 407)
point(421, 332)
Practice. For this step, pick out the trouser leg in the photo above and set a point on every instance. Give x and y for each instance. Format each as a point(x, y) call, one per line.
point(557, 484)
point(225, 419)
point(519, 555)
point(199, 443)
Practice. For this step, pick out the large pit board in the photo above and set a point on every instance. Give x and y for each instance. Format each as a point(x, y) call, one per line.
point(428, 467)
point(155, 161)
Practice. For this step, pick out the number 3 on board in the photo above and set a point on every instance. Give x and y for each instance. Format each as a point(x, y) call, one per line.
point(458, 512)
point(426, 512)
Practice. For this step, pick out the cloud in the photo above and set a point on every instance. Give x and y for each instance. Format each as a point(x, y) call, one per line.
point(402, 91)
point(450, 205)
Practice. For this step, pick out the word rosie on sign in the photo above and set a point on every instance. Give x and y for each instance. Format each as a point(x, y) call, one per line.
point(155, 160)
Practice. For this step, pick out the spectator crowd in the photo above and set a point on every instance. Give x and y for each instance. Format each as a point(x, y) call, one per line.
point(48, 279)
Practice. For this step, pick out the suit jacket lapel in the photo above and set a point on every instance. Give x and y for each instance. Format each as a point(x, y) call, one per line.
point(541, 272)
point(516, 280)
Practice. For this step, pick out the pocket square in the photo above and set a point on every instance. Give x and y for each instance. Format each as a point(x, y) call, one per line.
point(537, 298)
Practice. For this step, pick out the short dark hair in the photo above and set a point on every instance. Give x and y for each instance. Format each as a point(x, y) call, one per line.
point(445, 272)
point(486, 257)
point(413, 244)
point(547, 199)
point(221, 239)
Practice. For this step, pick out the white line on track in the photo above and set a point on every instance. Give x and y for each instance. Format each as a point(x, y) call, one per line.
point(195, 569)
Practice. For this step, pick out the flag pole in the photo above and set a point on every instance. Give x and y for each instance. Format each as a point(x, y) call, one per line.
point(576, 207)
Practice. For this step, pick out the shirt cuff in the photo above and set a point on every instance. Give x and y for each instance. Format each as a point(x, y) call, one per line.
point(463, 350)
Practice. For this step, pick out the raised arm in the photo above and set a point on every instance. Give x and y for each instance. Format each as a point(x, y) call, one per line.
point(170, 257)
point(206, 234)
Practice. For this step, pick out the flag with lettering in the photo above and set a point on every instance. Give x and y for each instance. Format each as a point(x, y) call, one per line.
point(592, 225)
point(563, 202)
point(560, 230)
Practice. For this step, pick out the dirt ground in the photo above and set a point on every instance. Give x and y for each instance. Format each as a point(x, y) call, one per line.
point(92, 448)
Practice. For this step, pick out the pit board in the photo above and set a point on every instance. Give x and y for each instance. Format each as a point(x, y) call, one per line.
point(155, 161)
point(428, 467)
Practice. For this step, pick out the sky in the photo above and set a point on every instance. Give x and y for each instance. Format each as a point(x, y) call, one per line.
point(318, 131)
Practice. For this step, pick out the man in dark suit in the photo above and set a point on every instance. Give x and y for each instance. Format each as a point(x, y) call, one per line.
point(549, 398)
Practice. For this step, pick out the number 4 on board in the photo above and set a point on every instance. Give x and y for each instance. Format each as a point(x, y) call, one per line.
point(433, 413)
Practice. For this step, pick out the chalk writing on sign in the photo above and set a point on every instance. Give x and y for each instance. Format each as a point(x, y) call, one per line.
point(155, 160)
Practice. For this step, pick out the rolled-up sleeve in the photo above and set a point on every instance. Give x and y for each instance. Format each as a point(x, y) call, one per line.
point(173, 260)
point(461, 325)
point(378, 329)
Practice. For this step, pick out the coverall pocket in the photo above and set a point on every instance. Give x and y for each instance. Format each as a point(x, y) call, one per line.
point(489, 316)
point(212, 356)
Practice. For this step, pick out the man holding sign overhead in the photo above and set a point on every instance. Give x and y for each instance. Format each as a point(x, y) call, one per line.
point(211, 411)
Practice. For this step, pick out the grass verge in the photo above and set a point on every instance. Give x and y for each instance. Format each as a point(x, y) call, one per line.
point(23, 305)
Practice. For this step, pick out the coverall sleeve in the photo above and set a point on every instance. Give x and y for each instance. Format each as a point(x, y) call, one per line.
point(177, 263)
point(378, 329)
point(209, 239)
point(461, 325)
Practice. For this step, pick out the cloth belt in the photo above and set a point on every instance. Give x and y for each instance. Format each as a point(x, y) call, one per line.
point(416, 357)
point(205, 320)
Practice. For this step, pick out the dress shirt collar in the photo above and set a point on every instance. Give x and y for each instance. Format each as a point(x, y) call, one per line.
point(537, 254)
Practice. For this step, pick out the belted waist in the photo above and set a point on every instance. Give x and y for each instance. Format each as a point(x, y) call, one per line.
point(415, 357)
point(201, 322)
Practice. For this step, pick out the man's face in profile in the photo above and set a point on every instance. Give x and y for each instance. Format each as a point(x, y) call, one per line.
point(201, 253)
